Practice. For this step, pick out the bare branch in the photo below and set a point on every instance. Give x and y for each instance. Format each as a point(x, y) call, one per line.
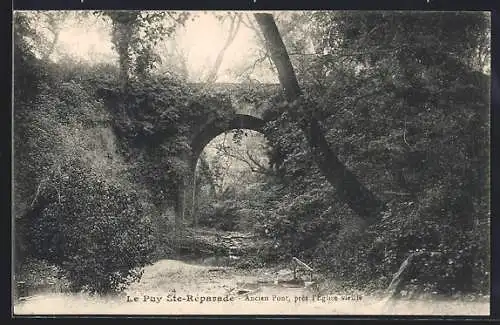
point(53, 23)
point(254, 160)
point(250, 69)
point(253, 27)
point(233, 30)
point(37, 193)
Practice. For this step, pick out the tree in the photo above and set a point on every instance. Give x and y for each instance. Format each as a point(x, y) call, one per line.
point(124, 25)
point(349, 189)
point(247, 152)
point(54, 20)
point(235, 21)
point(135, 33)
point(412, 115)
point(403, 64)
point(205, 174)
point(174, 59)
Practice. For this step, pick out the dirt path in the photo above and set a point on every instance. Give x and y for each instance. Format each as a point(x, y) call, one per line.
point(173, 287)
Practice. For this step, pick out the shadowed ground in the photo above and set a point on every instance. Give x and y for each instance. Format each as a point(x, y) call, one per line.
point(201, 280)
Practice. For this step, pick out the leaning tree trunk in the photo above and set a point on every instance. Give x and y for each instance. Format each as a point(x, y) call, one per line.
point(350, 190)
point(233, 30)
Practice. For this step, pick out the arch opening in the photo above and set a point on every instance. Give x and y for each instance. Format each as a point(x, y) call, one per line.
point(217, 127)
point(207, 133)
point(229, 176)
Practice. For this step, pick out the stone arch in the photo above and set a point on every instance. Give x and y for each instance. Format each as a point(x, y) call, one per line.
point(214, 128)
point(201, 139)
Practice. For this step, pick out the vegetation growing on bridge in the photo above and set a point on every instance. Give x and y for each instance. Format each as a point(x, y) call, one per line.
point(400, 99)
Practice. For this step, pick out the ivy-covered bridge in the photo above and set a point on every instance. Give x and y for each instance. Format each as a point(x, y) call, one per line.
point(248, 112)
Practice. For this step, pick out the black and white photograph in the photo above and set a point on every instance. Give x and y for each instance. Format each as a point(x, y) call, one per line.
point(331, 162)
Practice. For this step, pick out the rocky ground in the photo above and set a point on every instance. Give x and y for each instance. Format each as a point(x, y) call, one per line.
point(171, 287)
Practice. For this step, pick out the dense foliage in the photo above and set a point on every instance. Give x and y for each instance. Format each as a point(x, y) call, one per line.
point(101, 151)
point(75, 206)
point(154, 123)
point(93, 228)
point(409, 115)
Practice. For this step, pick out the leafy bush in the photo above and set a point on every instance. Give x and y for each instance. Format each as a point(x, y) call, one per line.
point(165, 235)
point(223, 215)
point(74, 204)
point(93, 228)
point(415, 140)
point(453, 261)
point(38, 275)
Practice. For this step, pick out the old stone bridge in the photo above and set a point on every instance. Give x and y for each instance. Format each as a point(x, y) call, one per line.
point(246, 115)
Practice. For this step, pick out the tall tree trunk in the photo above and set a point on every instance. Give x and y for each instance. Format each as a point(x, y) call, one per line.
point(205, 169)
point(233, 30)
point(54, 21)
point(349, 189)
point(123, 55)
point(52, 47)
point(124, 26)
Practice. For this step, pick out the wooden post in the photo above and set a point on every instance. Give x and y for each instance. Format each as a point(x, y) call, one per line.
point(303, 265)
